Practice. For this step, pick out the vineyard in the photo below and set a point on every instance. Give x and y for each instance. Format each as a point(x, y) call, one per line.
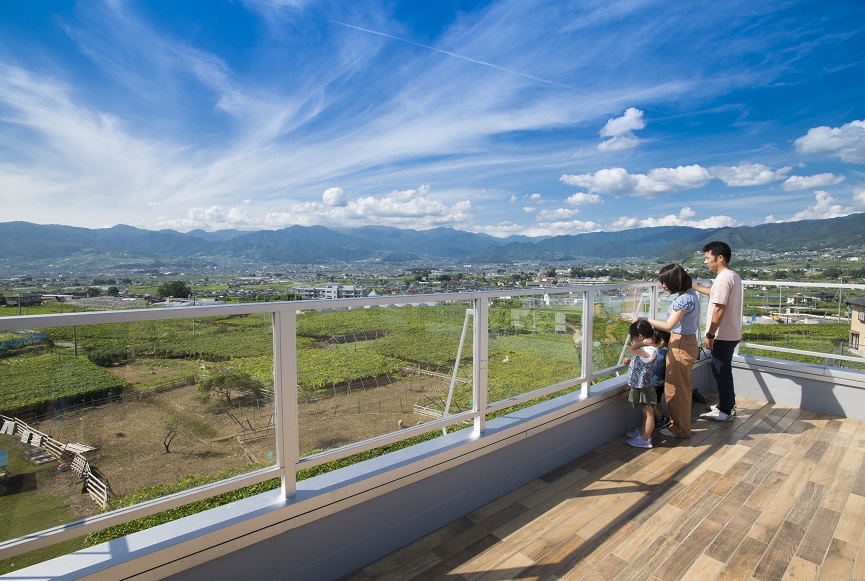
point(826, 338)
point(528, 349)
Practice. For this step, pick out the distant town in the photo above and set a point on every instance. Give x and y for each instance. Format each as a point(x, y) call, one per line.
point(148, 284)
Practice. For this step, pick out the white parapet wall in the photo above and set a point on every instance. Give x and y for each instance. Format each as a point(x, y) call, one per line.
point(828, 390)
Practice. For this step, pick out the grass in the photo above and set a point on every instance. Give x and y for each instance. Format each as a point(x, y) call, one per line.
point(25, 513)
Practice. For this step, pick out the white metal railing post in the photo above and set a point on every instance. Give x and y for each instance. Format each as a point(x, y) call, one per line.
point(741, 320)
point(655, 295)
point(285, 397)
point(480, 356)
point(586, 354)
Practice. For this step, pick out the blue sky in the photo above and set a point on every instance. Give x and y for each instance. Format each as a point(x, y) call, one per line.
point(504, 117)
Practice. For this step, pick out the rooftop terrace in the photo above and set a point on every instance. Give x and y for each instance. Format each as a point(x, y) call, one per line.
point(776, 494)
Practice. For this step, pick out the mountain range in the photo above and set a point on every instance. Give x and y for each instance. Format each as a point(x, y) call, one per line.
point(24, 242)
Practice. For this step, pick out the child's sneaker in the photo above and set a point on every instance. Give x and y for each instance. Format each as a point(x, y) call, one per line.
point(635, 433)
point(639, 442)
point(662, 422)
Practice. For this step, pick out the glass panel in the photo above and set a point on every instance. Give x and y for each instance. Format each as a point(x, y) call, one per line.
point(804, 318)
point(147, 409)
point(367, 372)
point(614, 310)
point(535, 341)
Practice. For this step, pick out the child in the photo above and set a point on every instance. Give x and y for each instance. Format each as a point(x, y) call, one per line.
point(642, 395)
point(662, 338)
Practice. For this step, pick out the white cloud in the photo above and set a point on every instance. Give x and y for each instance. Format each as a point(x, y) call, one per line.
point(683, 218)
point(618, 181)
point(619, 143)
point(748, 174)
point(560, 228)
point(583, 199)
point(556, 215)
point(846, 142)
point(401, 209)
point(214, 218)
point(499, 230)
point(620, 130)
point(630, 121)
point(816, 181)
point(513, 198)
point(528, 209)
point(859, 196)
point(825, 207)
point(535, 197)
point(334, 197)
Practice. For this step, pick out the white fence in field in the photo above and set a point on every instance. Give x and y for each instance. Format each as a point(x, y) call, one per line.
point(56, 450)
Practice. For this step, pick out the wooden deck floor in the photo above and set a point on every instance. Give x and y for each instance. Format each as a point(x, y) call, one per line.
point(777, 494)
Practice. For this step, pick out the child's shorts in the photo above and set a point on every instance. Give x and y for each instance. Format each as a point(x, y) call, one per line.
point(641, 398)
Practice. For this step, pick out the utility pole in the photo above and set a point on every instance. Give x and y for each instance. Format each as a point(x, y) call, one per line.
point(840, 292)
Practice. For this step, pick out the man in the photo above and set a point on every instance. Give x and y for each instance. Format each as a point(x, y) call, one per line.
point(723, 326)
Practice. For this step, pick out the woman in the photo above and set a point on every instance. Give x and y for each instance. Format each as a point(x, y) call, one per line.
point(683, 323)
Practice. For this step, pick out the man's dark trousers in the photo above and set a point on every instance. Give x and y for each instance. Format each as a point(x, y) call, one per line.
point(722, 369)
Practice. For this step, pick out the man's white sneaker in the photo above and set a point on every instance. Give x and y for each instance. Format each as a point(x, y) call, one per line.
point(717, 415)
point(666, 432)
point(714, 407)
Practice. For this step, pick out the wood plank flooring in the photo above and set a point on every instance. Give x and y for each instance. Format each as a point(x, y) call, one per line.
point(779, 493)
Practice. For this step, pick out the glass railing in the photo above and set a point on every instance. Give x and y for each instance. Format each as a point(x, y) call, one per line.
point(810, 323)
point(155, 409)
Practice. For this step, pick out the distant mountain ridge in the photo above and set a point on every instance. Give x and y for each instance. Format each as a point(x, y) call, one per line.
point(25, 242)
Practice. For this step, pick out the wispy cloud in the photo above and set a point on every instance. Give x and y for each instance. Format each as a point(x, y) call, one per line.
point(263, 114)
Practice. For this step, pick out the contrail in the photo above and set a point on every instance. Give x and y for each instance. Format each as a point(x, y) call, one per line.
point(421, 45)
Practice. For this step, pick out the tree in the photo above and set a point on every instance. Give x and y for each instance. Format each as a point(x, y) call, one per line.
point(176, 289)
point(857, 273)
point(170, 425)
point(226, 382)
point(831, 273)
